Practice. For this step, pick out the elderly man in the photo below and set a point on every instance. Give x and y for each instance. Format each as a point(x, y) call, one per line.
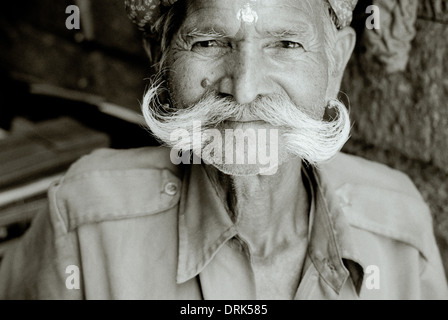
point(190, 221)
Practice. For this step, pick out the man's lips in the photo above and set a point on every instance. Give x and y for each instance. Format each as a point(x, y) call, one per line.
point(245, 120)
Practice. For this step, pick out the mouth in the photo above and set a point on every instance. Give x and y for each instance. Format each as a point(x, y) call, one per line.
point(245, 120)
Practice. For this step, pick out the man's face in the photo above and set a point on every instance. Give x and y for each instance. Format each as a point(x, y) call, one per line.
point(246, 49)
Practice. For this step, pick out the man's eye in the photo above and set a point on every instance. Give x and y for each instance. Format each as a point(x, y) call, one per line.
point(211, 48)
point(208, 44)
point(289, 45)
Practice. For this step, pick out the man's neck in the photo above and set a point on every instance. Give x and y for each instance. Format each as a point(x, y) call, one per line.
point(270, 212)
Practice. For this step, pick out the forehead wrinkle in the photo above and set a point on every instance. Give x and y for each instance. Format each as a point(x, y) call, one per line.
point(309, 12)
point(200, 20)
point(303, 13)
point(298, 5)
point(309, 15)
point(309, 5)
point(195, 6)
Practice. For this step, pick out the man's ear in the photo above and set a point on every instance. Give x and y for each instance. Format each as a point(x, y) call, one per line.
point(342, 51)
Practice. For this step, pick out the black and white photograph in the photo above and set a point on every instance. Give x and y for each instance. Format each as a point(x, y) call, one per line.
point(245, 152)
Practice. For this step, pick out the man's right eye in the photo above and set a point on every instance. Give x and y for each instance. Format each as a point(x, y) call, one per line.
point(207, 44)
point(211, 47)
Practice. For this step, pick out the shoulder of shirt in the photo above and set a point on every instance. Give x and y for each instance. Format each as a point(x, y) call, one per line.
point(380, 200)
point(116, 185)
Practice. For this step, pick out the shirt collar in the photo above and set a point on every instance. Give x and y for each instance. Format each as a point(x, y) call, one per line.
point(331, 247)
point(204, 227)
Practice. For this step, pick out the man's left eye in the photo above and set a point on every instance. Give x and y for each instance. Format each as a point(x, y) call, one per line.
point(289, 45)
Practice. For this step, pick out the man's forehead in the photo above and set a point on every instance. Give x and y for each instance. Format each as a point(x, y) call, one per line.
point(145, 13)
point(267, 15)
point(302, 7)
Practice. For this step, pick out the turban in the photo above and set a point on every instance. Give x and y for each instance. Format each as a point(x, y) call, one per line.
point(144, 13)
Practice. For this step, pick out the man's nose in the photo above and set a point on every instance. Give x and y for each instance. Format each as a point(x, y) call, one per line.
point(245, 79)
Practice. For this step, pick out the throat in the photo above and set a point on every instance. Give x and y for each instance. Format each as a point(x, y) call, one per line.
point(271, 215)
point(269, 212)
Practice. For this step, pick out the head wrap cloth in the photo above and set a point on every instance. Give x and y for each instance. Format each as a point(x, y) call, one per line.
point(144, 13)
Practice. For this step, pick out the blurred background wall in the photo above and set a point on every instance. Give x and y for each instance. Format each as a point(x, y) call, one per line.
point(400, 118)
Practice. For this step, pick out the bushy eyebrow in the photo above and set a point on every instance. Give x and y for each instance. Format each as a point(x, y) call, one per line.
point(205, 33)
point(304, 31)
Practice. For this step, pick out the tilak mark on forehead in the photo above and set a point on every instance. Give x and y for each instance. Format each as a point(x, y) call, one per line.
point(248, 14)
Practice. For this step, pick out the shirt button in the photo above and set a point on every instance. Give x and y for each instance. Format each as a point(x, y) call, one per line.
point(329, 264)
point(171, 188)
point(344, 202)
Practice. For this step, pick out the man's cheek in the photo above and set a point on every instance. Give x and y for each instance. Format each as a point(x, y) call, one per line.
point(309, 93)
point(185, 82)
point(184, 90)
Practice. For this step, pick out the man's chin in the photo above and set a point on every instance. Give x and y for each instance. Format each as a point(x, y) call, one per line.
point(269, 168)
point(245, 170)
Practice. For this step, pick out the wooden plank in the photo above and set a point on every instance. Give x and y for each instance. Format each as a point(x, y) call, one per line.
point(48, 147)
point(32, 189)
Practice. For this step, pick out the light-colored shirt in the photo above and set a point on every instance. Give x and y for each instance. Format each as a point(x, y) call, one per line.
point(138, 227)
